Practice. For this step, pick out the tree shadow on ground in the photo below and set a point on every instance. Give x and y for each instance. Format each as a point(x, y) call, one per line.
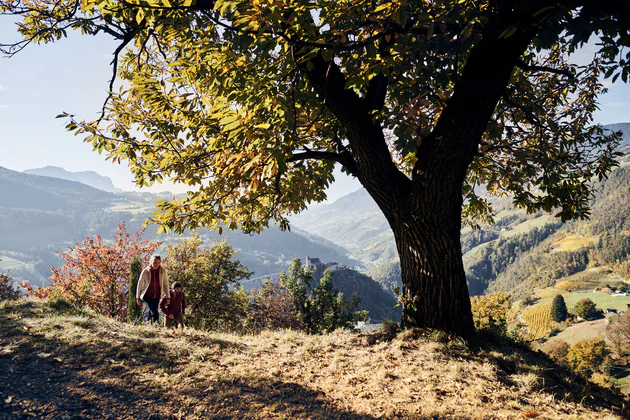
point(46, 377)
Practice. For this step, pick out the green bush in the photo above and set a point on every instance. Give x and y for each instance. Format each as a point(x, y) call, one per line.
point(320, 309)
point(211, 283)
point(587, 356)
point(585, 308)
point(134, 311)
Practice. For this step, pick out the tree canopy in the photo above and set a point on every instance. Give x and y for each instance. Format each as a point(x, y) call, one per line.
point(248, 100)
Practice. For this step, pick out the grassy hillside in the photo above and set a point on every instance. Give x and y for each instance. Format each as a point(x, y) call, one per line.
point(583, 331)
point(67, 364)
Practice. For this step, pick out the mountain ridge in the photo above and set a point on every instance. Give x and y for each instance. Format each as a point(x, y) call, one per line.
point(90, 178)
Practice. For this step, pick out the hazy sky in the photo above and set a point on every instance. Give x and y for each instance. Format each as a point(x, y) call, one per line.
point(72, 76)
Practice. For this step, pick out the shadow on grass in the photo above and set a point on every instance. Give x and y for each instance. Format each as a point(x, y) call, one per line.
point(619, 372)
point(45, 377)
point(513, 358)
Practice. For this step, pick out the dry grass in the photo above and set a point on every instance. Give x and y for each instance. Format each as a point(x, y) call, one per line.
point(583, 330)
point(93, 367)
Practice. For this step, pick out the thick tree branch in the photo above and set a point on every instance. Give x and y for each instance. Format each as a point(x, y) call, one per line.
point(454, 142)
point(563, 72)
point(377, 92)
point(369, 148)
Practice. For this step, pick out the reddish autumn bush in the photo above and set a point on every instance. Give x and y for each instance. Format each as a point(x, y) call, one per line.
point(271, 307)
point(95, 274)
point(7, 289)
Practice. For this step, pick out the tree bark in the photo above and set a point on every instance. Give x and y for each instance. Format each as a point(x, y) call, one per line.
point(426, 227)
point(435, 294)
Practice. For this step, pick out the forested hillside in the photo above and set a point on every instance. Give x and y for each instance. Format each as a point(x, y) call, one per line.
point(603, 240)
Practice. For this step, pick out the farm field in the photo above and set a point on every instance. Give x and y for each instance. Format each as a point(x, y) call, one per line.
point(601, 300)
point(133, 207)
point(548, 293)
point(538, 319)
point(573, 243)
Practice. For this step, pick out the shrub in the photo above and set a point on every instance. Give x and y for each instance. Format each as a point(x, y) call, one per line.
point(624, 288)
point(585, 309)
point(7, 289)
point(558, 309)
point(528, 300)
point(96, 275)
point(491, 312)
point(587, 356)
point(618, 333)
point(134, 311)
point(271, 307)
point(211, 283)
point(557, 350)
point(320, 309)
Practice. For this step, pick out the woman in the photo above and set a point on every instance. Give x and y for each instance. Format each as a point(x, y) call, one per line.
point(153, 286)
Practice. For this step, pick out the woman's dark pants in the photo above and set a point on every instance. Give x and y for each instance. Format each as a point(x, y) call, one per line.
point(153, 307)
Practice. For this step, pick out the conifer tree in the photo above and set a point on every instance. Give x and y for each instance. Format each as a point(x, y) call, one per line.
point(320, 309)
point(134, 312)
point(558, 309)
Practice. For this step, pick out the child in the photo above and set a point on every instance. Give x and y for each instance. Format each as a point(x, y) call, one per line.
point(174, 310)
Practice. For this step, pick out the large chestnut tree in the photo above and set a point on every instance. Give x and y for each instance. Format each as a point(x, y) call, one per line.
point(253, 102)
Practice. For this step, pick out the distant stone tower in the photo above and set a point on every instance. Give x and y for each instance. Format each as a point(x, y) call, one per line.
point(313, 263)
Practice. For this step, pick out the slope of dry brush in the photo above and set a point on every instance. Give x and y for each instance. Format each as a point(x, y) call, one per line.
point(69, 364)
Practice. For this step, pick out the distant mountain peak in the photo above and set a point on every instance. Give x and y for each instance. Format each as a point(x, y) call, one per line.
point(90, 178)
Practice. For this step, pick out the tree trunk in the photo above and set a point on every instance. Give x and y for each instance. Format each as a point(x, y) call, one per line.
point(424, 210)
point(426, 222)
point(434, 292)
